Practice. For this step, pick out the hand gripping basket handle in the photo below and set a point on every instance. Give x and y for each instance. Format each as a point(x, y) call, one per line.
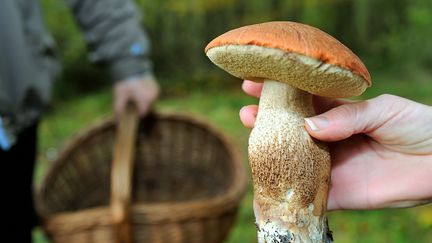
point(121, 174)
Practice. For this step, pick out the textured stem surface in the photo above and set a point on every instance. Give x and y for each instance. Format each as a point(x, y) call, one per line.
point(291, 171)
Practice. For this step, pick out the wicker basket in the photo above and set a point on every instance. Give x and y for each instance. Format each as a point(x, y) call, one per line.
point(185, 185)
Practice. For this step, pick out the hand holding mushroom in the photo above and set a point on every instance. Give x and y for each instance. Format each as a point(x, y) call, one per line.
point(291, 171)
point(389, 167)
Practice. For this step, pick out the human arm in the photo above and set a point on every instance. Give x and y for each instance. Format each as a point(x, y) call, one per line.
point(117, 41)
point(381, 149)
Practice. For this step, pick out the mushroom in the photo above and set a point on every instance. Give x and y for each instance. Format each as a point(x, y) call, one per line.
point(290, 170)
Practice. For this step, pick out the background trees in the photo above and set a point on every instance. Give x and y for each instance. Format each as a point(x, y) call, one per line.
point(391, 36)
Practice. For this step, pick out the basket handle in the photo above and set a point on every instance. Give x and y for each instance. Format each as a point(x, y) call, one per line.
point(121, 174)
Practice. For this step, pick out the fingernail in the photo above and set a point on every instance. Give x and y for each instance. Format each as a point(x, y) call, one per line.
point(317, 123)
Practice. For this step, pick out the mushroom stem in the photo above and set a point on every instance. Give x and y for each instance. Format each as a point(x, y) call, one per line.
point(291, 171)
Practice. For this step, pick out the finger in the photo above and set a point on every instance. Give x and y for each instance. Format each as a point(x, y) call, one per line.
point(119, 103)
point(143, 104)
point(252, 88)
point(248, 115)
point(352, 118)
point(332, 203)
point(323, 104)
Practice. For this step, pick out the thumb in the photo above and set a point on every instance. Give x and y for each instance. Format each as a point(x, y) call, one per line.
point(348, 119)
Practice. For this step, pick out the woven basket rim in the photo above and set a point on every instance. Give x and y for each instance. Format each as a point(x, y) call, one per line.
point(208, 206)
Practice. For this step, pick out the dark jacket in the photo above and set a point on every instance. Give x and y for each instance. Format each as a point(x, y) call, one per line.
point(27, 52)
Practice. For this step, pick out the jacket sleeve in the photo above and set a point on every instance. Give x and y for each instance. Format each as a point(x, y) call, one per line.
point(114, 36)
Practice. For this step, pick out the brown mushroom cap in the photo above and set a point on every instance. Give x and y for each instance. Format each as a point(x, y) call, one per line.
point(293, 53)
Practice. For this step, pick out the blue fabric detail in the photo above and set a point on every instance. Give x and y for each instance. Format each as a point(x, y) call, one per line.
point(4, 141)
point(136, 49)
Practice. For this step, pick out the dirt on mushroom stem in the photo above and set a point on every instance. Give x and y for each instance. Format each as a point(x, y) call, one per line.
point(291, 171)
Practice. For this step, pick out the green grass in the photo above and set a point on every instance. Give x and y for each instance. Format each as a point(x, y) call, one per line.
point(221, 108)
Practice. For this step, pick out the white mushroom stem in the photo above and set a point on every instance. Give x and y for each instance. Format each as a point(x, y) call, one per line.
point(290, 170)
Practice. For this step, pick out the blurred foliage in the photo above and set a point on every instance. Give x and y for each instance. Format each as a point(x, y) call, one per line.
point(389, 35)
